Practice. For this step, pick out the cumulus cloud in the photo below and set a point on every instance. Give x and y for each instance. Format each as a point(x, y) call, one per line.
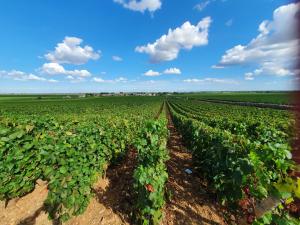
point(117, 80)
point(151, 73)
point(69, 51)
point(269, 68)
point(22, 76)
point(274, 50)
point(141, 6)
point(117, 58)
point(168, 46)
point(173, 70)
point(57, 69)
point(211, 80)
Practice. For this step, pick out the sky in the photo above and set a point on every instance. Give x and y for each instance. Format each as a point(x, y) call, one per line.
point(71, 46)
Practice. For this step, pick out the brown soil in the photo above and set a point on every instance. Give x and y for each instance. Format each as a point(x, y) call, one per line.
point(190, 202)
point(112, 204)
point(26, 209)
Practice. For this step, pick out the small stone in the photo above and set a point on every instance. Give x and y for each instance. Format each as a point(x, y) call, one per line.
point(232, 218)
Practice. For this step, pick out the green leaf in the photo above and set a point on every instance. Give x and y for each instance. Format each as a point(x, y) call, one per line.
point(63, 170)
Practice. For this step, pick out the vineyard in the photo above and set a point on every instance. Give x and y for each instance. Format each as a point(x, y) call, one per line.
point(281, 98)
point(242, 155)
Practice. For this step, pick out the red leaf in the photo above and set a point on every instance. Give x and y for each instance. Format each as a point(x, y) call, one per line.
point(149, 187)
point(246, 190)
point(244, 204)
point(250, 219)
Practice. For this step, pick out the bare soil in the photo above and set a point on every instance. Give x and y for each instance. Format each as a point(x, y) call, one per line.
point(112, 204)
point(189, 203)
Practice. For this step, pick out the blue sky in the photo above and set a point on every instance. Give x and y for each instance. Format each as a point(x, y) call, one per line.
point(55, 46)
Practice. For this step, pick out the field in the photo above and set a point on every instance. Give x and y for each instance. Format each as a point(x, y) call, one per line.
point(283, 98)
point(239, 156)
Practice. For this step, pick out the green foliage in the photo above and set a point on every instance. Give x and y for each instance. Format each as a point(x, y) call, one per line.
point(257, 124)
point(235, 155)
point(260, 97)
point(151, 173)
point(277, 216)
point(69, 145)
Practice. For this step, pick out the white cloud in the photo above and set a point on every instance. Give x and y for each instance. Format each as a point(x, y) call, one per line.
point(151, 73)
point(211, 80)
point(269, 68)
point(52, 81)
point(229, 23)
point(202, 5)
point(70, 52)
point(99, 80)
point(22, 76)
point(172, 71)
point(70, 77)
point(273, 68)
point(117, 80)
point(217, 67)
point(29, 77)
point(141, 6)
point(249, 76)
point(168, 46)
point(77, 80)
point(55, 69)
point(274, 50)
point(117, 58)
point(121, 79)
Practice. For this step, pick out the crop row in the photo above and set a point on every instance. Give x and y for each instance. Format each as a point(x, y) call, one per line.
point(151, 173)
point(71, 157)
point(237, 168)
point(238, 116)
point(72, 149)
point(258, 97)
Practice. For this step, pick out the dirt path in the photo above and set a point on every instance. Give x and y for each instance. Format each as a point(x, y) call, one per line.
point(190, 203)
point(110, 206)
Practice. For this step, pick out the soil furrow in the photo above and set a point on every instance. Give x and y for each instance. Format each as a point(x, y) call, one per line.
point(189, 201)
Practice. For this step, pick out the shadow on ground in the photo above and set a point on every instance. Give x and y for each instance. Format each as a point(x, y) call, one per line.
point(118, 195)
point(190, 203)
